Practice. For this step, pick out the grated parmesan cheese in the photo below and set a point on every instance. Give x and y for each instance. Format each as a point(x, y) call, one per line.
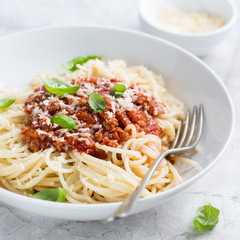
point(175, 20)
point(97, 126)
point(52, 97)
point(84, 129)
point(85, 134)
point(45, 102)
point(37, 110)
point(42, 132)
point(126, 103)
point(113, 105)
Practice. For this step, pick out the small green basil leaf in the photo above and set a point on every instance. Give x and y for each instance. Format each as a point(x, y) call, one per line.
point(60, 87)
point(53, 194)
point(96, 102)
point(118, 90)
point(72, 64)
point(6, 102)
point(64, 121)
point(206, 217)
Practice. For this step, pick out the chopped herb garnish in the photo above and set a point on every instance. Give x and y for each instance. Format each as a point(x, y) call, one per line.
point(6, 102)
point(64, 121)
point(96, 102)
point(72, 64)
point(60, 87)
point(206, 217)
point(118, 90)
point(53, 194)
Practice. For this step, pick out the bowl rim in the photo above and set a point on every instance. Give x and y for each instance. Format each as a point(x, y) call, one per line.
point(172, 191)
point(230, 23)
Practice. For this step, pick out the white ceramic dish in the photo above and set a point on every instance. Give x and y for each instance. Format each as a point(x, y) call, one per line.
point(199, 44)
point(29, 53)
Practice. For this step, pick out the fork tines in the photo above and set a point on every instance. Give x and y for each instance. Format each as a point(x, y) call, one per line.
point(189, 133)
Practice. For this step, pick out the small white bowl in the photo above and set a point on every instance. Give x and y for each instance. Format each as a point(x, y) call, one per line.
point(199, 44)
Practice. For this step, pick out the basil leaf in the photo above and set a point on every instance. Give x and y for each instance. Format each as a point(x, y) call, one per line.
point(96, 102)
point(206, 217)
point(60, 87)
point(6, 102)
point(53, 194)
point(72, 64)
point(118, 90)
point(64, 121)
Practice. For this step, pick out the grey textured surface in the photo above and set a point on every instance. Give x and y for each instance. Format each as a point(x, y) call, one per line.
point(172, 220)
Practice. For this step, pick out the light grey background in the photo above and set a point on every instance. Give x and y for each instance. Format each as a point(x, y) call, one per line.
point(172, 220)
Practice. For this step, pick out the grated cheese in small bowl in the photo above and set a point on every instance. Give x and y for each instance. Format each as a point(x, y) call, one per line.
point(175, 20)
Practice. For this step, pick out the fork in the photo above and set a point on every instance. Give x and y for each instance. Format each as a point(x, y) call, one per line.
point(185, 140)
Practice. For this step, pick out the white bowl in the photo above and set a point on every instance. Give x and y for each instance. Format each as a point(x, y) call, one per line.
point(199, 44)
point(27, 54)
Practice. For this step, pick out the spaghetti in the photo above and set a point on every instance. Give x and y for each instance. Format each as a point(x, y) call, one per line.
point(106, 170)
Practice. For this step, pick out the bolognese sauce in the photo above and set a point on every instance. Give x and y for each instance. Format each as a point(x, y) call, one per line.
point(136, 106)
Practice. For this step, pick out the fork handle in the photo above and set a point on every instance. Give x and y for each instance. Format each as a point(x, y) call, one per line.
point(130, 201)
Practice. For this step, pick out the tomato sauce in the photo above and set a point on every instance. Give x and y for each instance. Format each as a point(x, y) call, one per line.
point(136, 106)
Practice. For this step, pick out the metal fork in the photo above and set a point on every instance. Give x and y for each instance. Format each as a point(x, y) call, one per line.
point(185, 140)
